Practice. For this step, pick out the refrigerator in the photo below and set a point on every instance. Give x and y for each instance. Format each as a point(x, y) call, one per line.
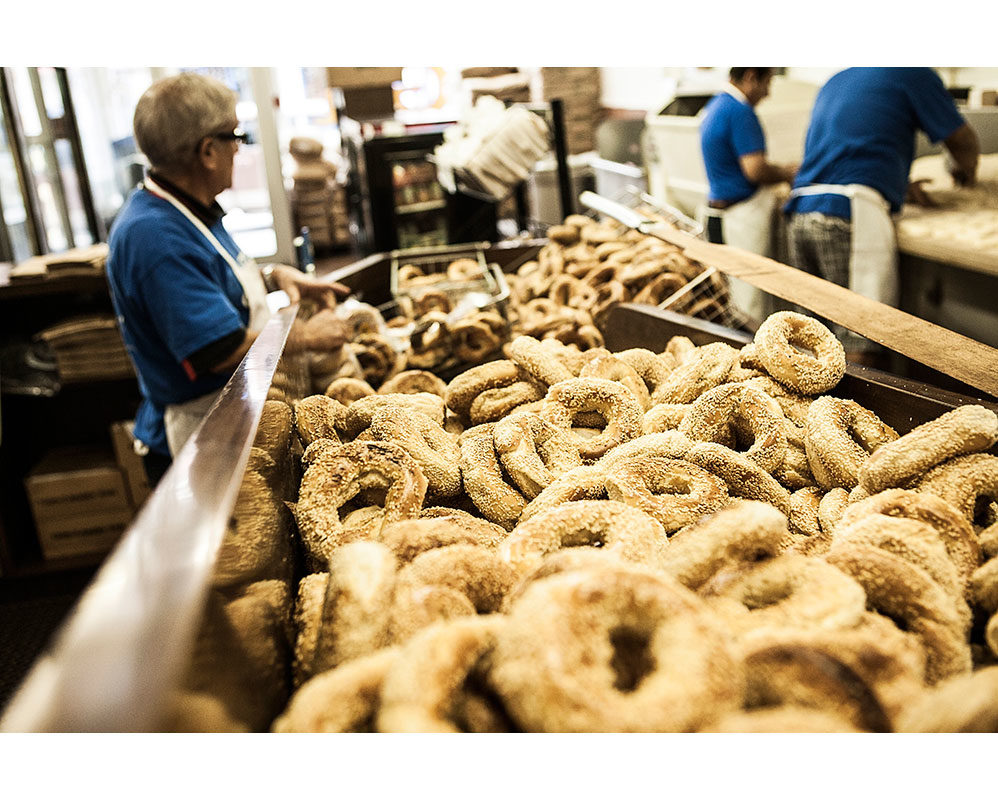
point(394, 199)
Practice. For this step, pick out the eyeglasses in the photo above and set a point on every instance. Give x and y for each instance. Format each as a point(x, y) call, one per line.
point(236, 135)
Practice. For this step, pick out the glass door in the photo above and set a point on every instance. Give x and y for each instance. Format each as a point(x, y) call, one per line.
point(43, 141)
point(104, 101)
point(15, 236)
point(419, 201)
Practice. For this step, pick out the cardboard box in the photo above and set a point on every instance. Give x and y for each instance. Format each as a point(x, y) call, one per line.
point(362, 77)
point(130, 463)
point(369, 103)
point(79, 503)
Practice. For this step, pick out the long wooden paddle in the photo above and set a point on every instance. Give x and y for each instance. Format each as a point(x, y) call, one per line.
point(951, 353)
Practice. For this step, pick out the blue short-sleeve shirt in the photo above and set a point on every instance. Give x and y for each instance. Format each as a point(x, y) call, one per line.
point(730, 129)
point(862, 130)
point(174, 294)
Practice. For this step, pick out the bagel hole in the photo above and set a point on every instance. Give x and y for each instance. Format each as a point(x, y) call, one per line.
point(802, 348)
point(479, 708)
point(900, 622)
point(632, 660)
point(984, 511)
point(743, 438)
point(369, 493)
point(373, 496)
point(588, 420)
point(584, 538)
point(670, 484)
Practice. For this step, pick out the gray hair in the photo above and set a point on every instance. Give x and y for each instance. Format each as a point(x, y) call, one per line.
point(176, 113)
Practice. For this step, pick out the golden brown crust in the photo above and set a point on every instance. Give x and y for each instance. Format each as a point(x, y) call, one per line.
point(839, 437)
point(435, 450)
point(615, 528)
point(622, 649)
point(611, 400)
point(674, 492)
point(342, 700)
point(970, 483)
point(967, 429)
point(901, 591)
point(804, 373)
point(346, 390)
point(701, 369)
point(357, 604)
point(338, 474)
point(483, 479)
point(412, 381)
point(744, 531)
point(317, 417)
point(739, 417)
point(440, 681)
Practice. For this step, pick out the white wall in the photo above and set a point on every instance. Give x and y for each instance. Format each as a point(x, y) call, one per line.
point(641, 88)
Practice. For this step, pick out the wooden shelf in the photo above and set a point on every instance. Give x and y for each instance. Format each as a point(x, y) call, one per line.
point(52, 284)
point(416, 208)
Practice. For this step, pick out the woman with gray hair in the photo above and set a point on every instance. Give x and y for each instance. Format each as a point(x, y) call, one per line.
point(189, 302)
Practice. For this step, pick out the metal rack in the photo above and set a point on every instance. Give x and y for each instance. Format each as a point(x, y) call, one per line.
point(434, 261)
point(706, 296)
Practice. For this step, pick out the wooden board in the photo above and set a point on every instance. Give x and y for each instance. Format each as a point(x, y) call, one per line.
point(951, 353)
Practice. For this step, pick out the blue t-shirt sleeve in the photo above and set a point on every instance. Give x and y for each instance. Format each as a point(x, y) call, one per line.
point(187, 306)
point(746, 132)
point(936, 112)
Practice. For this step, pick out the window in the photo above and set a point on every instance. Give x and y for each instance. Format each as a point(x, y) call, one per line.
point(52, 208)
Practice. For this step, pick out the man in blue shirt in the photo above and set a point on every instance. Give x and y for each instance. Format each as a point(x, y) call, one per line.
point(189, 303)
point(739, 203)
point(854, 177)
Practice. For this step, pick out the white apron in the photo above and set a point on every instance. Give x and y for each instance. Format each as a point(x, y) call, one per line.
point(748, 225)
point(183, 419)
point(873, 255)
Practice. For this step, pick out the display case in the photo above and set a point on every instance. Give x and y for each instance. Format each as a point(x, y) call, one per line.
point(394, 198)
point(123, 652)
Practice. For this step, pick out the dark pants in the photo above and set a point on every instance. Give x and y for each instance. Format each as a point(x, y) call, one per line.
point(715, 234)
point(156, 465)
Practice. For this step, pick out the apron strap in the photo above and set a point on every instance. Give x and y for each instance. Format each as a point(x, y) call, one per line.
point(163, 194)
point(244, 268)
point(849, 190)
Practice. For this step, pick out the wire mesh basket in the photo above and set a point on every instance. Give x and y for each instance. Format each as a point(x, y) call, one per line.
point(707, 296)
point(633, 197)
point(418, 270)
point(638, 200)
point(430, 314)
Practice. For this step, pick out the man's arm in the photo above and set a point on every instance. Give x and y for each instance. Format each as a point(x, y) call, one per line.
point(965, 149)
point(232, 360)
point(763, 173)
